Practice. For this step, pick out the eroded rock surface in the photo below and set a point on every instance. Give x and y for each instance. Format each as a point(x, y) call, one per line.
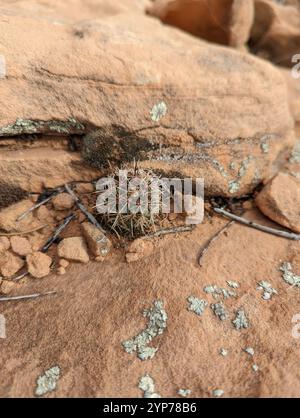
point(280, 201)
point(226, 22)
point(225, 115)
point(275, 33)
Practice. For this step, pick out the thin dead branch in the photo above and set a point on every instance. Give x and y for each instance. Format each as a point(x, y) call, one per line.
point(212, 240)
point(57, 232)
point(83, 209)
point(11, 234)
point(251, 224)
point(42, 202)
point(24, 297)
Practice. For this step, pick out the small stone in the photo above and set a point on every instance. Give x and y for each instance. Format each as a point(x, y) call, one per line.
point(255, 367)
point(217, 393)
point(250, 351)
point(10, 264)
point(20, 245)
point(139, 249)
point(63, 201)
point(63, 263)
point(61, 271)
point(74, 249)
point(99, 259)
point(4, 244)
point(184, 392)
point(43, 213)
point(98, 243)
point(7, 287)
point(8, 217)
point(280, 201)
point(38, 264)
point(83, 188)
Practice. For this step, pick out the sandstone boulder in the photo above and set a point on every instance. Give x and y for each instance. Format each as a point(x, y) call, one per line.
point(280, 201)
point(275, 33)
point(225, 22)
point(142, 90)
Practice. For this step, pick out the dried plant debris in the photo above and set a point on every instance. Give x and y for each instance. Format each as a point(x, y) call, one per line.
point(218, 292)
point(250, 351)
point(240, 320)
point(288, 275)
point(48, 381)
point(157, 324)
point(295, 156)
point(146, 384)
point(219, 311)
point(197, 306)
point(217, 393)
point(232, 284)
point(184, 392)
point(223, 352)
point(267, 289)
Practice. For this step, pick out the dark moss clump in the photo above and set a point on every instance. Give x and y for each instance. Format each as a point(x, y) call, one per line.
point(113, 144)
point(10, 194)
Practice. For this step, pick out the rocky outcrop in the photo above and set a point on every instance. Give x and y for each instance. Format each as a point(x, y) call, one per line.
point(226, 22)
point(141, 90)
point(280, 201)
point(275, 33)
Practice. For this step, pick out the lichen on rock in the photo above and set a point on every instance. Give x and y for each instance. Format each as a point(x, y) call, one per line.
point(197, 305)
point(156, 326)
point(48, 381)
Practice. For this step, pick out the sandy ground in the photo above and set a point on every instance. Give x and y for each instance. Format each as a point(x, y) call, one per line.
point(98, 306)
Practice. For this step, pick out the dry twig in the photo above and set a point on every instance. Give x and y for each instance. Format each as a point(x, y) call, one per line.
point(212, 240)
point(33, 296)
point(251, 224)
point(11, 234)
point(57, 232)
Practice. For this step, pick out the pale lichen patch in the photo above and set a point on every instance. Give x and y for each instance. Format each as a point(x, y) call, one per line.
point(217, 393)
point(184, 392)
point(48, 381)
point(267, 289)
point(157, 324)
point(219, 310)
point(146, 384)
point(240, 320)
point(197, 305)
point(288, 275)
point(158, 111)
